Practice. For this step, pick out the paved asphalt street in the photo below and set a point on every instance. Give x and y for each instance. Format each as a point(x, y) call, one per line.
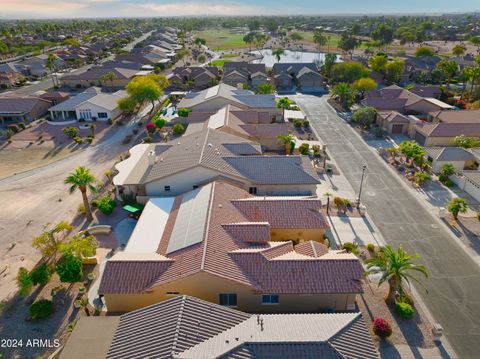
point(453, 288)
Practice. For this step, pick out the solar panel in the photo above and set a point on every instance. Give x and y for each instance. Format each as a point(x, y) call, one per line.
point(191, 221)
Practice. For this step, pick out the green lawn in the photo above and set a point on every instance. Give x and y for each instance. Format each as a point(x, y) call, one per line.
point(220, 62)
point(222, 39)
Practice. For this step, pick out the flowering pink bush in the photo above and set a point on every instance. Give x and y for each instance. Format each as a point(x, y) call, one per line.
point(151, 127)
point(382, 328)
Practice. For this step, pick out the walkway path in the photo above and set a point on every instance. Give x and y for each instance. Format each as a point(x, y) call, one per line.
point(453, 286)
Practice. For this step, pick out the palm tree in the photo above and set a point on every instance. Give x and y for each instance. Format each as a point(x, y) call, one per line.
point(82, 179)
point(50, 63)
point(343, 92)
point(449, 69)
point(278, 53)
point(287, 140)
point(457, 205)
point(396, 267)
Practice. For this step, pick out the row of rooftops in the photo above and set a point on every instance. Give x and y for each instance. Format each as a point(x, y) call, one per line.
point(187, 327)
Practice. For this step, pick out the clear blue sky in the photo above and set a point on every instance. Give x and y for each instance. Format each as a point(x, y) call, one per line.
point(108, 8)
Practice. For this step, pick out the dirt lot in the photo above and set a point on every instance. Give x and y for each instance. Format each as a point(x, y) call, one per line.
point(20, 156)
point(42, 144)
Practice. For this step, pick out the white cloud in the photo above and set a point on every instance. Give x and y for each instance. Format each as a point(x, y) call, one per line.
point(126, 8)
point(198, 8)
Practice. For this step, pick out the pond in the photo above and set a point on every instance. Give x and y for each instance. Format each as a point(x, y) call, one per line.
point(290, 56)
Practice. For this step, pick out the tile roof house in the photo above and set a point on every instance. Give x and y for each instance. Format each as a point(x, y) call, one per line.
point(187, 327)
point(303, 76)
point(251, 125)
point(177, 166)
point(221, 244)
point(92, 77)
point(460, 158)
point(396, 98)
point(22, 108)
point(90, 104)
point(445, 126)
point(235, 73)
point(216, 97)
point(192, 77)
point(393, 122)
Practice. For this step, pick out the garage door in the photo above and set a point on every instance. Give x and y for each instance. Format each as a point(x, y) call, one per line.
point(397, 128)
point(421, 139)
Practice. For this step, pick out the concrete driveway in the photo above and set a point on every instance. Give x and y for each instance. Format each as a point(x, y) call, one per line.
point(403, 219)
point(352, 229)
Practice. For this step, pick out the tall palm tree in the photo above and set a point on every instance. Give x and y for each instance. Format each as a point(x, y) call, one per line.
point(449, 69)
point(396, 267)
point(343, 92)
point(278, 53)
point(82, 179)
point(50, 63)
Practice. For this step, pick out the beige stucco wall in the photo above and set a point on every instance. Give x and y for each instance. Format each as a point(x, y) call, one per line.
point(296, 234)
point(438, 141)
point(180, 182)
point(207, 286)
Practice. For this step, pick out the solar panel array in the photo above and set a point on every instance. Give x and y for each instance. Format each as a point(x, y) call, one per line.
point(191, 219)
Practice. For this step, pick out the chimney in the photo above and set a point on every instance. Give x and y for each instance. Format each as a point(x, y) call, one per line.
point(151, 158)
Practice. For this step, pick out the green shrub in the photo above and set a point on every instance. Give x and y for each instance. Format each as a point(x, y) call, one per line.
point(298, 123)
point(183, 112)
point(404, 310)
point(351, 247)
point(371, 248)
point(306, 123)
point(110, 121)
point(77, 140)
point(178, 128)
point(105, 204)
point(160, 123)
point(304, 148)
point(42, 274)
point(71, 132)
point(405, 298)
point(449, 183)
point(22, 125)
point(40, 309)
point(315, 148)
point(89, 139)
point(24, 282)
point(69, 269)
point(14, 128)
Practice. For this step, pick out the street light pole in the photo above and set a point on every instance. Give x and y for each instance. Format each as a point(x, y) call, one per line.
point(364, 167)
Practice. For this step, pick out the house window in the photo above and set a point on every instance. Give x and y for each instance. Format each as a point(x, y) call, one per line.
point(228, 299)
point(172, 294)
point(167, 188)
point(195, 186)
point(102, 115)
point(270, 299)
point(252, 190)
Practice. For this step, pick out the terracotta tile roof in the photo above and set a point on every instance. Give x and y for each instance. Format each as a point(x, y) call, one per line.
point(394, 117)
point(445, 129)
point(126, 277)
point(251, 232)
point(311, 249)
point(226, 251)
point(459, 116)
point(283, 213)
